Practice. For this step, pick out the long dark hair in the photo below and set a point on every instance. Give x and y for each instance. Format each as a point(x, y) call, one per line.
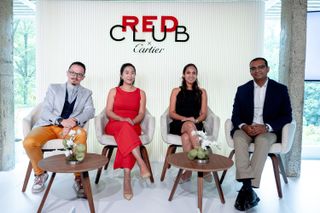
point(195, 85)
point(122, 70)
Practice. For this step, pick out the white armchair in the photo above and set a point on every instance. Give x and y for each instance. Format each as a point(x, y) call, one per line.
point(211, 126)
point(275, 152)
point(50, 146)
point(147, 126)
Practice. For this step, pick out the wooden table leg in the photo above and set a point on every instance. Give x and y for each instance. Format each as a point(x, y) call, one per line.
point(46, 192)
point(175, 184)
point(200, 190)
point(218, 185)
point(87, 189)
point(27, 177)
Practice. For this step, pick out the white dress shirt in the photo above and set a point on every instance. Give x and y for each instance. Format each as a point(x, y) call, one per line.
point(258, 102)
point(72, 92)
point(259, 96)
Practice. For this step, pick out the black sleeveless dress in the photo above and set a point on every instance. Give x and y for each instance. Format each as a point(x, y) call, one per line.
point(188, 105)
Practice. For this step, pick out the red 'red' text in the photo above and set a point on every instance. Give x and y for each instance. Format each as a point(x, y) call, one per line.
point(168, 24)
point(147, 23)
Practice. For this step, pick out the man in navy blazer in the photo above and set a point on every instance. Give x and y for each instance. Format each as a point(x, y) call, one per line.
point(67, 106)
point(261, 108)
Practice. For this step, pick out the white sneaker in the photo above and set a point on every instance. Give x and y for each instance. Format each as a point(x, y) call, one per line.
point(208, 177)
point(39, 183)
point(186, 177)
point(78, 187)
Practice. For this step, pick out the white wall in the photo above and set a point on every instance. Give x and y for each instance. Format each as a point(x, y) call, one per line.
point(224, 37)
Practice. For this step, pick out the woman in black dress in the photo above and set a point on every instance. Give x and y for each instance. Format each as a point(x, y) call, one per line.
point(188, 109)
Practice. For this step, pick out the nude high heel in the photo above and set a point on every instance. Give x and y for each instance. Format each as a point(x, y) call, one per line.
point(145, 173)
point(127, 194)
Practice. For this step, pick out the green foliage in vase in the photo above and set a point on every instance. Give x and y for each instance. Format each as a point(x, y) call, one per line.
point(198, 153)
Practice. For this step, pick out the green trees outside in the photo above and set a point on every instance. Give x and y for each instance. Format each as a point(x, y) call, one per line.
point(24, 61)
point(311, 113)
point(312, 103)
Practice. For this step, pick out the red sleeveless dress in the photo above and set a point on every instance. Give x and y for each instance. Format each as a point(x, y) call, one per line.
point(126, 104)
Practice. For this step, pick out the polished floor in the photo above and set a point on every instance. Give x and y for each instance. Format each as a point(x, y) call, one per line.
point(299, 195)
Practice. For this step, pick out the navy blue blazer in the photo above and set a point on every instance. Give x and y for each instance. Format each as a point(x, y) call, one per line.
point(276, 109)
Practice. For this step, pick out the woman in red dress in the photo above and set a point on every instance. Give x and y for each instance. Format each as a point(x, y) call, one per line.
point(126, 106)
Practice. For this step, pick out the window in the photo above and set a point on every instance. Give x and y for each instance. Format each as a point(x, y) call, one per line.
point(311, 115)
point(23, 60)
point(311, 111)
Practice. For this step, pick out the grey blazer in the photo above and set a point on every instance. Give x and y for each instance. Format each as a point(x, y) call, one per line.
point(53, 104)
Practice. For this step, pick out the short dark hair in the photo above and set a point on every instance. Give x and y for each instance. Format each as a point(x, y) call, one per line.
point(260, 58)
point(79, 64)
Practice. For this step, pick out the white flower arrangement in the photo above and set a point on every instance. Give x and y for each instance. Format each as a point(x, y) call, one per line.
point(203, 140)
point(73, 151)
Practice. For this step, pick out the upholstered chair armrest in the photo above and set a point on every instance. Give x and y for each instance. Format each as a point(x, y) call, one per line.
point(100, 122)
point(228, 127)
point(288, 132)
point(164, 125)
point(86, 125)
point(208, 124)
point(148, 125)
point(31, 119)
point(212, 125)
point(26, 124)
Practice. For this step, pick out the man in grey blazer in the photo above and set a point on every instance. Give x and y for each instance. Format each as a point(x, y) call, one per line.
point(66, 106)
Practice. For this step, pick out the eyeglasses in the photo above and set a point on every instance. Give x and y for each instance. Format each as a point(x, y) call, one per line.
point(261, 67)
point(75, 74)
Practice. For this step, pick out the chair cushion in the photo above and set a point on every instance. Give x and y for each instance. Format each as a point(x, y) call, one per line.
point(176, 139)
point(53, 144)
point(275, 148)
point(173, 139)
point(109, 140)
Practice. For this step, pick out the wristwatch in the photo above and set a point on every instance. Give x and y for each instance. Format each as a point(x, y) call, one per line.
point(267, 127)
point(59, 120)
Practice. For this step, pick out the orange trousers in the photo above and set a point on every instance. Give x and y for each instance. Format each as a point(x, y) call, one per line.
point(38, 136)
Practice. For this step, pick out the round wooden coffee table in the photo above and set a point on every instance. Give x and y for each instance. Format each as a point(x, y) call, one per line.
point(58, 164)
point(216, 163)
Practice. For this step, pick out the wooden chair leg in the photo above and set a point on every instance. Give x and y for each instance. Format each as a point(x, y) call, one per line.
point(225, 171)
point(110, 151)
point(174, 149)
point(171, 149)
point(27, 177)
point(105, 151)
point(282, 170)
point(275, 164)
point(145, 157)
